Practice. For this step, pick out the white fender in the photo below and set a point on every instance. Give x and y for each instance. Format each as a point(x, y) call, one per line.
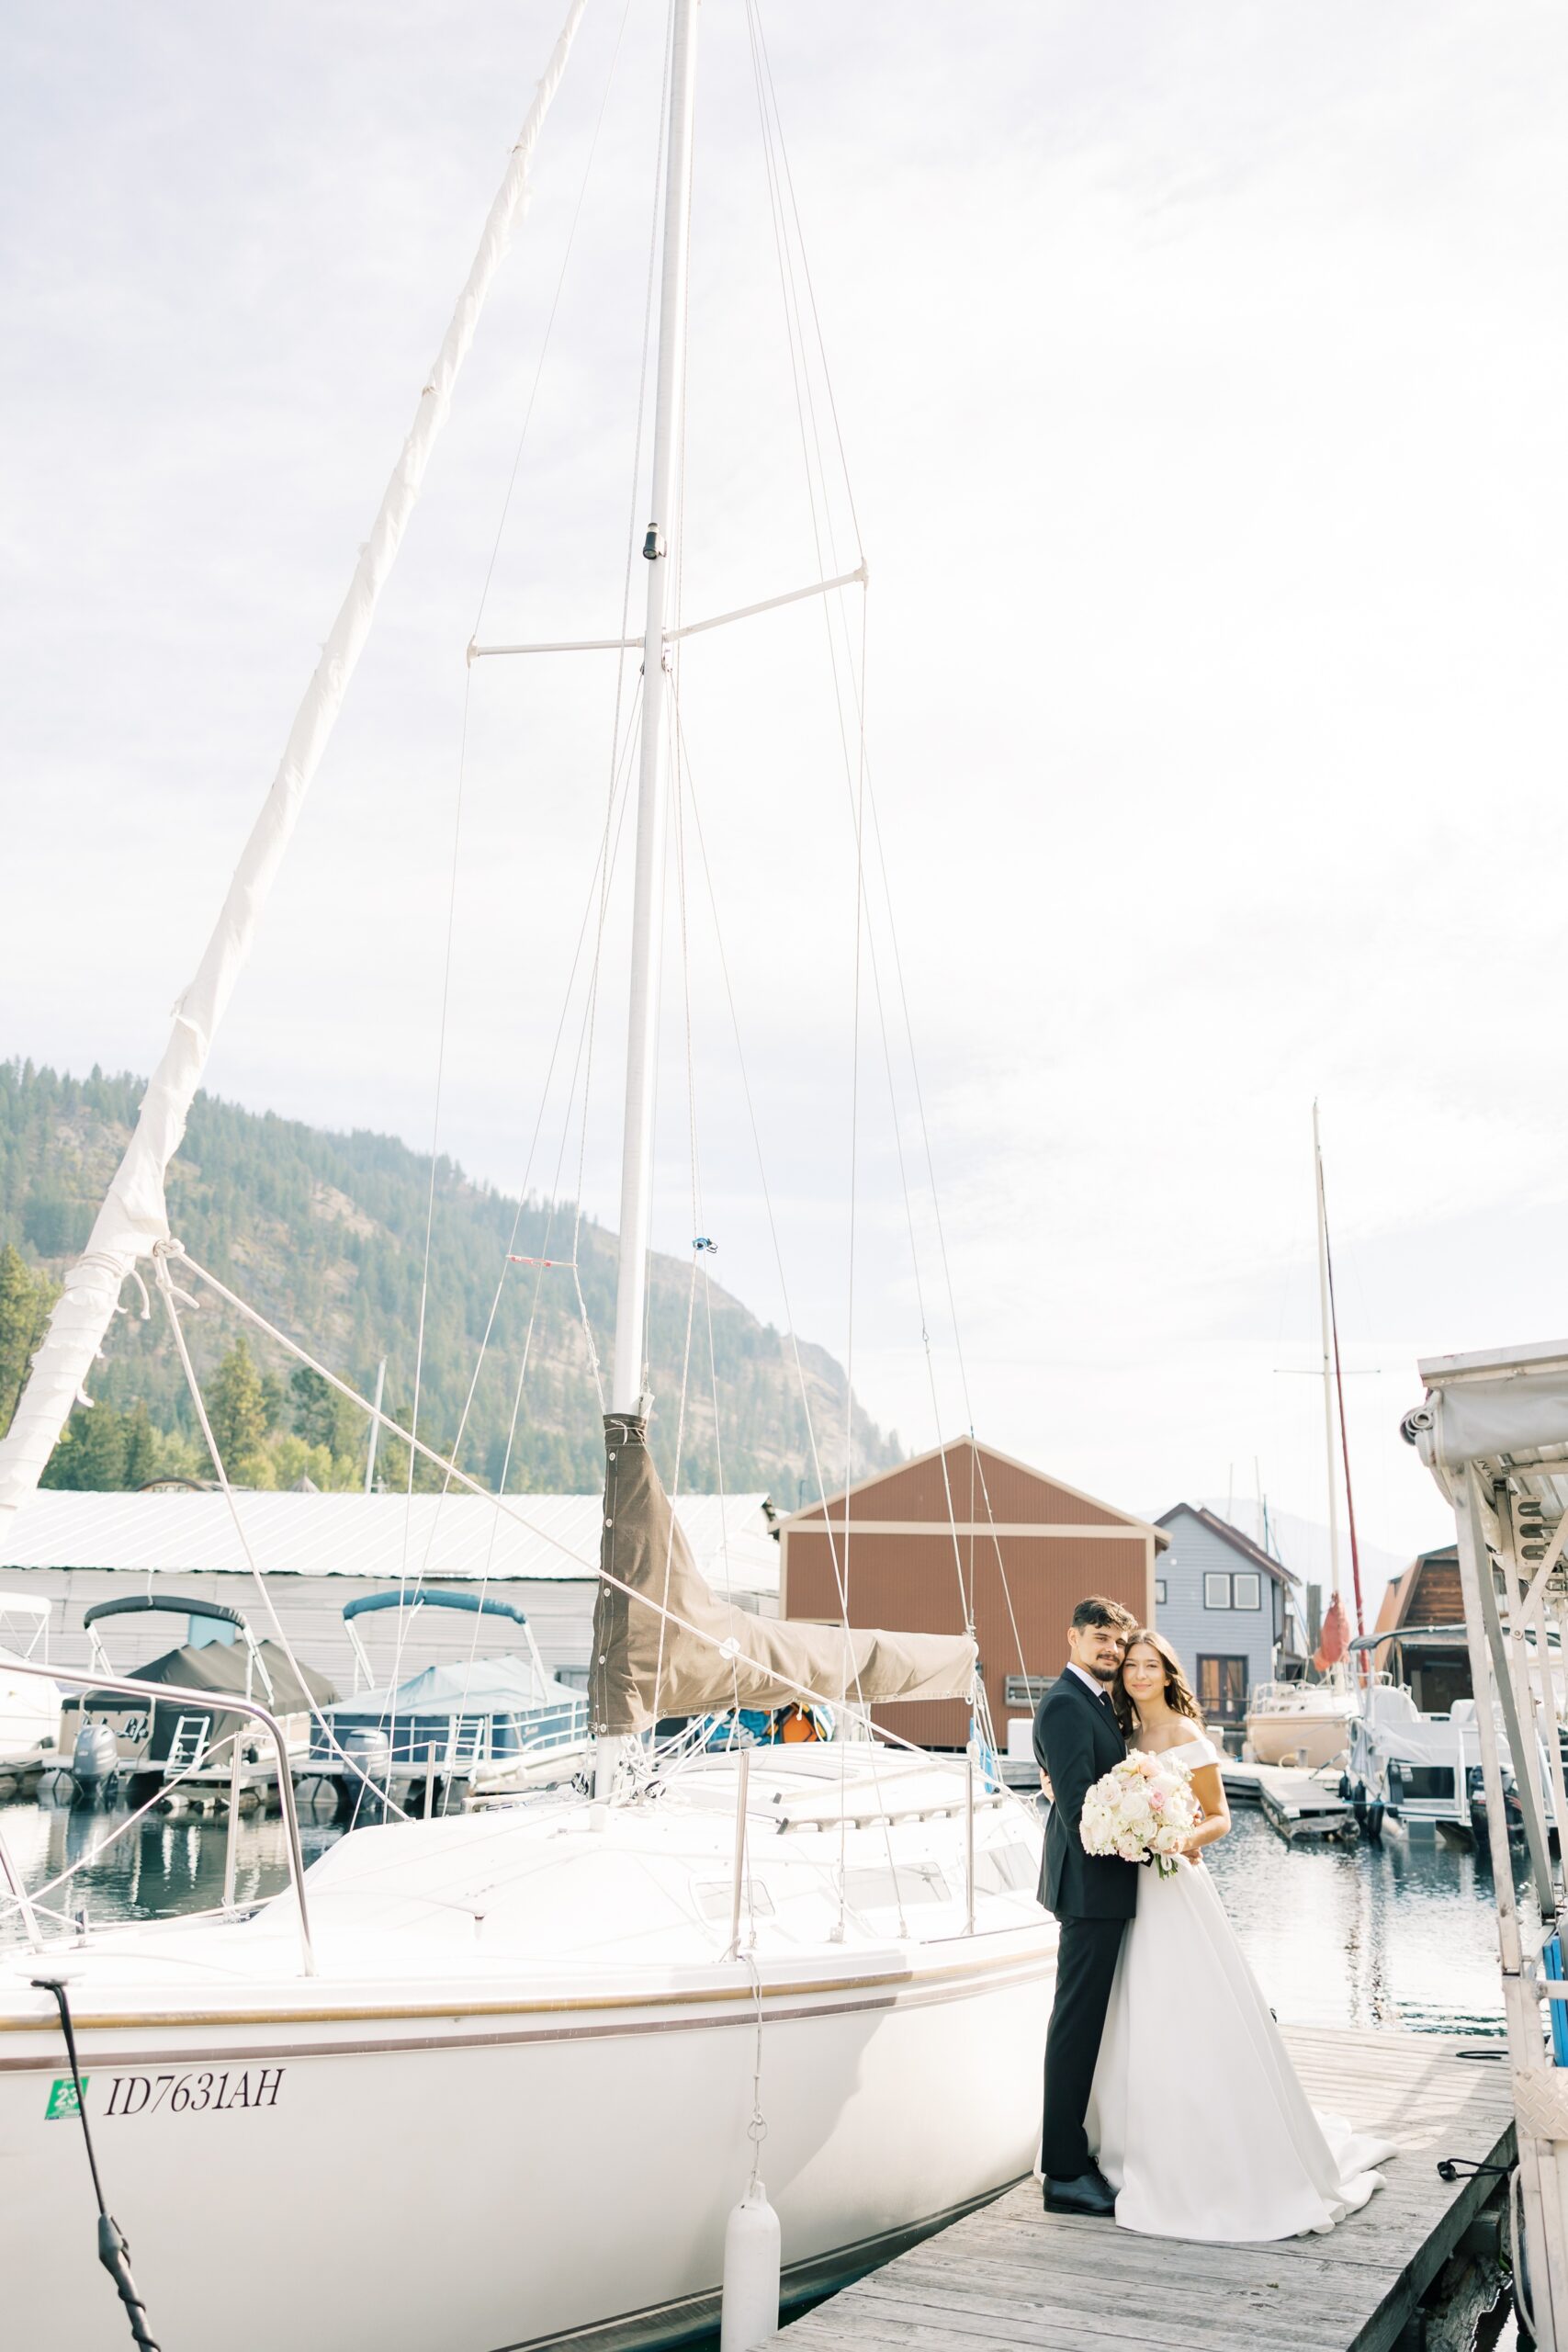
point(752, 2262)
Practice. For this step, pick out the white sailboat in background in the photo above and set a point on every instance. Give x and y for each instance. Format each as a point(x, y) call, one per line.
point(536, 2050)
point(1308, 1723)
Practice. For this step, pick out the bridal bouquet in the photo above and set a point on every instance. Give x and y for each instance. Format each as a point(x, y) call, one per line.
point(1140, 1811)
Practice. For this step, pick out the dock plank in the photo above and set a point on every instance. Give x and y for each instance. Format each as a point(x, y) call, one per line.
point(1009, 2276)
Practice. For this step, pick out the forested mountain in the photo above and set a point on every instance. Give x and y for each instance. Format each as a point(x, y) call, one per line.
point(324, 1234)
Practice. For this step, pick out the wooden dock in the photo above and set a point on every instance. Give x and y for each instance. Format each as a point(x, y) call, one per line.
point(1011, 2277)
point(1297, 1803)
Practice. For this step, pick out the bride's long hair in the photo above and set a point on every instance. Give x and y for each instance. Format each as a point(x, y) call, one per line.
point(1179, 1693)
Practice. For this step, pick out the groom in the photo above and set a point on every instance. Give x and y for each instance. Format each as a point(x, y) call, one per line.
point(1077, 1738)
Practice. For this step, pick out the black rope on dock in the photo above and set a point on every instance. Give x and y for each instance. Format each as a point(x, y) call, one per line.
point(113, 2251)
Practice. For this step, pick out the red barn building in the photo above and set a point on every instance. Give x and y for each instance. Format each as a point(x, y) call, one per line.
point(965, 1532)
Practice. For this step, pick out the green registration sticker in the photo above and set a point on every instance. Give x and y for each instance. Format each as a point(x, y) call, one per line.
point(63, 2099)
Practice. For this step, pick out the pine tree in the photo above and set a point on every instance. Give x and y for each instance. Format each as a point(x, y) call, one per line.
point(25, 1301)
point(236, 1406)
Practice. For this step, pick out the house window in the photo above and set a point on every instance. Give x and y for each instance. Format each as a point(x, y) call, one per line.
point(1025, 1689)
point(1159, 1592)
point(1222, 1689)
point(1216, 1592)
point(1242, 1590)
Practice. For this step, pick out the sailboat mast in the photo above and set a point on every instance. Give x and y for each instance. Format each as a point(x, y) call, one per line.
point(1327, 1356)
point(653, 783)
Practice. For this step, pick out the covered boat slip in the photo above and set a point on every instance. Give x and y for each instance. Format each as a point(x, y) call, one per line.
point(1012, 2279)
point(316, 1551)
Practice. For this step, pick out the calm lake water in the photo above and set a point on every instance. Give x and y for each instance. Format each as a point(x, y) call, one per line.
point(1401, 1935)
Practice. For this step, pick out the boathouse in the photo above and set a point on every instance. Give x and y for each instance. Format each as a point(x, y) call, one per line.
point(1424, 1604)
point(1225, 1605)
point(967, 1534)
point(316, 1551)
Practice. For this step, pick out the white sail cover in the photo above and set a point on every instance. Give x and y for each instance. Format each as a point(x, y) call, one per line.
point(133, 1217)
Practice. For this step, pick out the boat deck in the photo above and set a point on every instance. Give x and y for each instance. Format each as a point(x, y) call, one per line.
point(1010, 2277)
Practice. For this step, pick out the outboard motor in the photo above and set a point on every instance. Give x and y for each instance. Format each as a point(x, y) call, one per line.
point(369, 1747)
point(95, 1763)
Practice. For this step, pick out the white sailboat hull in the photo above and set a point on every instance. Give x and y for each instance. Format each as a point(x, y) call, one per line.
point(511, 2175)
point(511, 2106)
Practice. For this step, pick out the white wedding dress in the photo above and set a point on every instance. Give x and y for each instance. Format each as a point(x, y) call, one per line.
point(1200, 2120)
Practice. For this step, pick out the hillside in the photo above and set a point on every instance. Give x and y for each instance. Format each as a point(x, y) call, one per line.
point(325, 1235)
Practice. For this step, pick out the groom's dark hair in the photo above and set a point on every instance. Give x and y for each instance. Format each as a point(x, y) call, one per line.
point(1097, 1610)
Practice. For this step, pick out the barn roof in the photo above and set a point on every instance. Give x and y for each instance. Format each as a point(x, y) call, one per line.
point(976, 1485)
point(383, 1538)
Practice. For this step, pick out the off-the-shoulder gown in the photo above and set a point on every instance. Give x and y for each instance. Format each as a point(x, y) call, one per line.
point(1200, 2120)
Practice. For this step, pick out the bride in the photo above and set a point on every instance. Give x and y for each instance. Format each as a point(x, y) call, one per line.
point(1203, 2126)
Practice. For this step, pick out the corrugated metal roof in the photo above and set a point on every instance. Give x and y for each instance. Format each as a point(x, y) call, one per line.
point(550, 1538)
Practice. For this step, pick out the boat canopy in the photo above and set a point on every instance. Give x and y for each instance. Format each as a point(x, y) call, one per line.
point(176, 1604)
point(221, 1667)
point(692, 1654)
point(477, 1603)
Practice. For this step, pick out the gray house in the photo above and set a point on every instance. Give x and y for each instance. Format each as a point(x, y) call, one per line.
point(1225, 1606)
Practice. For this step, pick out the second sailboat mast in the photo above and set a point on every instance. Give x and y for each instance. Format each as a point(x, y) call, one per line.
point(653, 784)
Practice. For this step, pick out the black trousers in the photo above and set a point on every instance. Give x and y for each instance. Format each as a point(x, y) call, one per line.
point(1086, 1966)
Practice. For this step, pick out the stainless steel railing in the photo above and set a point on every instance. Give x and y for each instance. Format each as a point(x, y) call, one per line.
point(222, 1702)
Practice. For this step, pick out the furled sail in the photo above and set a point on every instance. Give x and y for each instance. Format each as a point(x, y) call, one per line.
point(133, 1218)
point(690, 1652)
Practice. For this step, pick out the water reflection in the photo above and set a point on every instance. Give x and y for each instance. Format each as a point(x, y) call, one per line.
point(1401, 1935)
point(166, 1863)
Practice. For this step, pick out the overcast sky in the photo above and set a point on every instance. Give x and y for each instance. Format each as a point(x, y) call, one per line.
point(1201, 373)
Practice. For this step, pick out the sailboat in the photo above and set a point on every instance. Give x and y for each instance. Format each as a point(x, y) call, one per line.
point(1308, 1723)
point(496, 2080)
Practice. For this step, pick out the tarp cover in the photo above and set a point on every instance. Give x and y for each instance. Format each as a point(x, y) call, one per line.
point(484, 1686)
point(640, 1656)
point(220, 1666)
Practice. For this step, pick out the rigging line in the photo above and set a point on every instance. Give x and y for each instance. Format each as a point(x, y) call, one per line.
point(806, 404)
point(435, 1129)
point(685, 769)
point(549, 325)
point(788, 181)
point(878, 838)
point(293, 1348)
point(599, 881)
point(403, 1615)
point(1339, 1388)
point(517, 1214)
point(776, 155)
point(856, 772)
point(762, 1164)
point(163, 1251)
point(965, 1601)
point(609, 847)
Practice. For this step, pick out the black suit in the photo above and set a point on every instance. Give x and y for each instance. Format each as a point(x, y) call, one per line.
point(1076, 1739)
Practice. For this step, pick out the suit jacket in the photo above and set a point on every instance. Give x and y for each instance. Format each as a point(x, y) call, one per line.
point(1076, 1740)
